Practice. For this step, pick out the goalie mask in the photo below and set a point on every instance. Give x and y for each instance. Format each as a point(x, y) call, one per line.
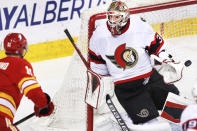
point(118, 15)
point(15, 43)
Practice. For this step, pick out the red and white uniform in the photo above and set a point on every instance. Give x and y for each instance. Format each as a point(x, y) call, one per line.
point(126, 56)
point(17, 79)
point(189, 118)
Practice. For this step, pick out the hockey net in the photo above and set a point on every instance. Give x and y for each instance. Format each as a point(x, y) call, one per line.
point(174, 20)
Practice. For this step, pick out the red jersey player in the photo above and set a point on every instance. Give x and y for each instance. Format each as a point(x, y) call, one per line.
point(17, 79)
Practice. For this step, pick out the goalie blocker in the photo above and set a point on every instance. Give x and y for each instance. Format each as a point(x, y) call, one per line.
point(97, 89)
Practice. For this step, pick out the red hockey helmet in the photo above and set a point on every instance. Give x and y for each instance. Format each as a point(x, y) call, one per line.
point(14, 43)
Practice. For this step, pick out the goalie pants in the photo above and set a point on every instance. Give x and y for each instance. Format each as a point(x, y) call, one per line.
point(142, 102)
point(7, 125)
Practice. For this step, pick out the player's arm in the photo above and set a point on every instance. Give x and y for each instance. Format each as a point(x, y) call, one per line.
point(97, 87)
point(97, 63)
point(29, 86)
point(156, 46)
point(162, 61)
point(153, 42)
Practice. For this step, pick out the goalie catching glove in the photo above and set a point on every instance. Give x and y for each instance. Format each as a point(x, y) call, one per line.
point(45, 111)
point(168, 68)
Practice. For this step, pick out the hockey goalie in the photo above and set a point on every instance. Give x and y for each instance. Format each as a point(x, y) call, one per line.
point(121, 46)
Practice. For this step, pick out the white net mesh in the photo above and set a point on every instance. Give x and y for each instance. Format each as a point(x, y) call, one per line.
point(73, 112)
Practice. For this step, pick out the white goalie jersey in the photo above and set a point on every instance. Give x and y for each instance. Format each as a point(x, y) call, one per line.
point(125, 56)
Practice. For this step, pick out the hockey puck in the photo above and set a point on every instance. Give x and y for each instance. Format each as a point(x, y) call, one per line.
point(188, 63)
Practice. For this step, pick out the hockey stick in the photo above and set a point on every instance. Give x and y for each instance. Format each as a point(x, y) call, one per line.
point(24, 119)
point(116, 114)
point(109, 102)
point(76, 48)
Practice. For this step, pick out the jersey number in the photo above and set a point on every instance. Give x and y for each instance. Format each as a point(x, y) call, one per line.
point(29, 71)
point(192, 124)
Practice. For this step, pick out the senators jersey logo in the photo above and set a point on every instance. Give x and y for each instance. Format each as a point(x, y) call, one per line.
point(124, 57)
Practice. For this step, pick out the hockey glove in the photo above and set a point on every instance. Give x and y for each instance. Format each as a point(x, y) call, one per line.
point(162, 57)
point(168, 68)
point(45, 111)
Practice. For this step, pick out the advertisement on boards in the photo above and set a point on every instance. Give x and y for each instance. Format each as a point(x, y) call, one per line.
point(43, 21)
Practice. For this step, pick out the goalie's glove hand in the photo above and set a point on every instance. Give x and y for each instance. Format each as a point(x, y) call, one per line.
point(165, 57)
point(168, 68)
point(161, 58)
point(45, 111)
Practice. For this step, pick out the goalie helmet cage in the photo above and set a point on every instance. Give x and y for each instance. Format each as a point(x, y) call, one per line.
point(172, 19)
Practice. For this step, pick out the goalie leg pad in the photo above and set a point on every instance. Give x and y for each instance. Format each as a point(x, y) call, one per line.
point(136, 100)
point(174, 107)
point(159, 90)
